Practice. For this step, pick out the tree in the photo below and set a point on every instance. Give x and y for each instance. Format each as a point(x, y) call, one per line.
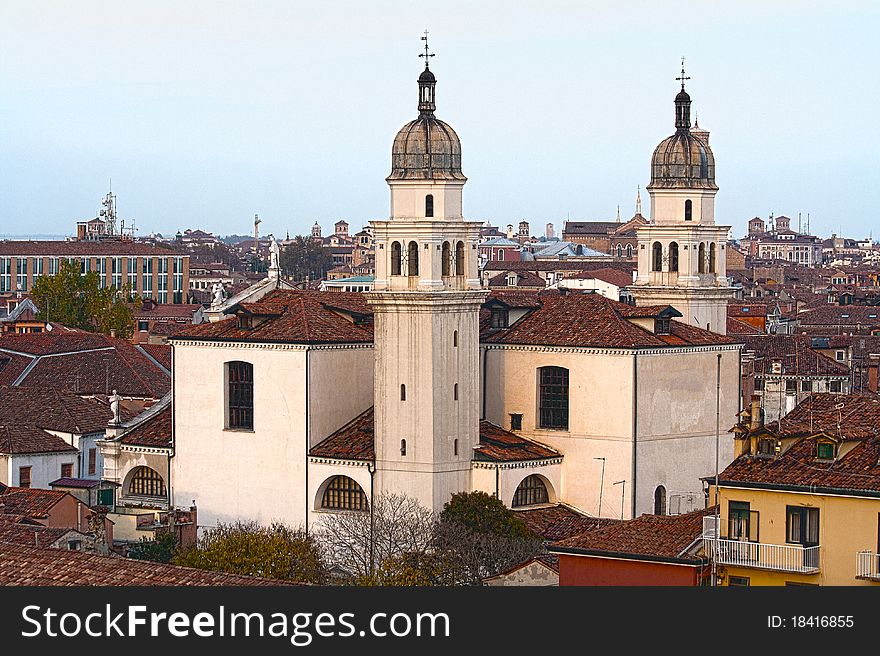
point(305, 258)
point(483, 513)
point(362, 542)
point(160, 550)
point(77, 300)
point(275, 551)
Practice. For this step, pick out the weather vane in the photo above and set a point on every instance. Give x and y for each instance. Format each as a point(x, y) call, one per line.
point(682, 76)
point(426, 55)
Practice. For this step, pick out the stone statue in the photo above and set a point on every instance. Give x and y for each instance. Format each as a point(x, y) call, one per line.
point(114, 408)
point(274, 253)
point(219, 294)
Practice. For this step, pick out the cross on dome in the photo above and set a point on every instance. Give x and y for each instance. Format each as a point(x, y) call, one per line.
point(427, 55)
point(682, 77)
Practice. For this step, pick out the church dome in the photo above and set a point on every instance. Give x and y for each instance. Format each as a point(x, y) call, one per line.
point(426, 148)
point(683, 160)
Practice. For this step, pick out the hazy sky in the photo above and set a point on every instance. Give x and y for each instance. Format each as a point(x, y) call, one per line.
point(204, 113)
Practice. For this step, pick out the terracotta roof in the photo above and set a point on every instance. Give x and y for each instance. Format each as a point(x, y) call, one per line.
point(79, 483)
point(606, 274)
point(840, 315)
point(737, 327)
point(52, 409)
point(155, 431)
point(523, 279)
point(179, 311)
point(354, 441)
point(663, 537)
point(500, 445)
point(161, 353)
point(30, 502)
point(86, 363)
point(30, 439)
point(819, 414)
point(106, 247)
point(795, 354)
point(302, 317)
point(20, 565)
point(30, 535)
point(576, 319)
point(559, 522)
point(744, 309)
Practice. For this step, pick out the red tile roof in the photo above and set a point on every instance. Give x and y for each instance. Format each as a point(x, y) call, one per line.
point(591, 320)
point(30, 502)
point(354, 441)
point(523, 279)
point(30, 535)
point(303, 317)
point(663, 537)
point(500, 445)
point(795, 354)
point(831, 316)
point(30, 439)
point(737, 327)
point(20, 565)
point(819, 414)
point(161, 353)
point(607, 274)
point(559, 522)
point(52, 409)
point(155, 431)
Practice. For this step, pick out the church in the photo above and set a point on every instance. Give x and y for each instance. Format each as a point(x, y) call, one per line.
point(291, 404)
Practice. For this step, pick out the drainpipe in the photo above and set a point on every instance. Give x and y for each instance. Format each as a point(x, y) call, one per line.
point(635, 431)
point(497, 487)
point(371, 467)
point(173, 437)
point(485, 358)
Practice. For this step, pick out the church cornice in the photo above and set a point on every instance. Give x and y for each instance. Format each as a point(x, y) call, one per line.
point(624, 352)
point(274, 346)
point(518, 464)
point(341, 462)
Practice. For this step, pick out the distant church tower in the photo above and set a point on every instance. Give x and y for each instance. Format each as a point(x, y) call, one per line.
point(682, 254)
point(426, 303)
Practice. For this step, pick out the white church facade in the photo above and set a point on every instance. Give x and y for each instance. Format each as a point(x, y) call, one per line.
point(291, 404)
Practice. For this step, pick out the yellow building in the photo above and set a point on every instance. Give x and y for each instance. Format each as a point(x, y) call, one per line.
point(800, 504)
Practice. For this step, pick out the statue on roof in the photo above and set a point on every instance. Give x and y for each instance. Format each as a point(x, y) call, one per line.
point(114, 409)
point(219, 295)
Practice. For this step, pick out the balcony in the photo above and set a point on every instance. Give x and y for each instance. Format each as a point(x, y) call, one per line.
point(868, 566)
point(153, 521)
point(792, 558)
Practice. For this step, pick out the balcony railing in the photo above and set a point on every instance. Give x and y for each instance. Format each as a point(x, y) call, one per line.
point(777, 557)
point(868, 565)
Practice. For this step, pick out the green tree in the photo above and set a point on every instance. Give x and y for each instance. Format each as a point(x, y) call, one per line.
point(78, 301)
point(305, 258)
point(276, 551)
point(484, 513)
point(160, 550)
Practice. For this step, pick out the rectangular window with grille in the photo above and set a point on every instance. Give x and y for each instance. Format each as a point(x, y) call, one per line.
point(67, 470)
point(240, 395)
point(553, 397)
point(24, 477)
point(93, 461)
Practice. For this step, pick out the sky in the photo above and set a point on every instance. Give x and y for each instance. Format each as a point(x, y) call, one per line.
point(204, 113)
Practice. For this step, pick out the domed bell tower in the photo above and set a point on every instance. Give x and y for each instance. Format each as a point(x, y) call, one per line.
point(426, 301)
point(682, 254)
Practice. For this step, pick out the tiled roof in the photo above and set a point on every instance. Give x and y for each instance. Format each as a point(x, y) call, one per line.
point(106, 247)
point(665, 537)
point(160, 311)
point(744, 309)
point(52, 409)
point(556, 265)
point(795, 353)
point(155, 431)
point(737, 327)
point(354, 441)
point(858, 469)
point(20, 565)
point(21, 439)
point(523, 279)
point(85, 363)
point(30, 535)
point(606, 274)
point(161, 353)
point(500, 445)
point(845, 315)
point(559, 522)
point(294, 316)
point(591, 320)
point(28, 501)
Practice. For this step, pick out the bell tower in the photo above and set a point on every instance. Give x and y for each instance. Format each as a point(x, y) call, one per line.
point(426, 302)
point(682, 253)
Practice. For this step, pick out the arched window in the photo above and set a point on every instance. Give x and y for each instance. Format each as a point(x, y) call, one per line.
point(146, 482)
point(660, 500)
point(673, 256)
point(403, 447)
point(402, 392)
point(657, 257)
point(553, 397)
point(688, 210)
point(712, 257)
point(240, 395)
point(429, 205)
point(701, 258)
point(629, 250)
point(459, 258)
point(500, 254)
point(455, 338)
point(412, 260)
point(343, 493)
point(395, 259)
point(531, 492)
point(446, 259)
point(619, 250)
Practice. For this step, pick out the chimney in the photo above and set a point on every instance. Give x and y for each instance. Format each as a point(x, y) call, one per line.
point(757, 414)
point(873, 371)
point(113, 332)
